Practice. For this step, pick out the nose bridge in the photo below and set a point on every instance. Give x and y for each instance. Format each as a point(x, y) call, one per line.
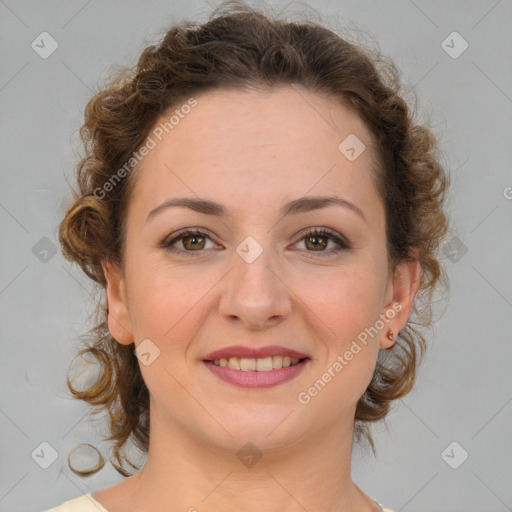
point(253, 292)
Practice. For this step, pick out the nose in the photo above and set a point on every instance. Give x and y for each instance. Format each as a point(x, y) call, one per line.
point(255, 293)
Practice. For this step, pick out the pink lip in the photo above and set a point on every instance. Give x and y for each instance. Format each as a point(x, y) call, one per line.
point(255, 379)
point(253, 353)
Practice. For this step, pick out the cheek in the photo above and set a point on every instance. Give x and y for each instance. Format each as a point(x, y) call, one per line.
point(349, 305)
point(165, 307)
point(349, 308)
point(348, 299)
point(164, 300)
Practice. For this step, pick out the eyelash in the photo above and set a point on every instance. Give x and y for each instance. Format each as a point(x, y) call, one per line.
point(343, 244)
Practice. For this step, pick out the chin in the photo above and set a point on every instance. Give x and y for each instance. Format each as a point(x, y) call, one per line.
point(265, 429)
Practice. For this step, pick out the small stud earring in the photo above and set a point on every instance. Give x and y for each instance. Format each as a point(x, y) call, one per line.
point(390, 335)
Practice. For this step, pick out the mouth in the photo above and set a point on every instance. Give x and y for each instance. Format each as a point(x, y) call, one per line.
point(264, 372)
point(256, 367)
point(262, 364)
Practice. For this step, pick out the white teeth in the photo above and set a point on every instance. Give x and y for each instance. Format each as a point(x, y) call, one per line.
point(249, 364)
point(263, 364)
point(234, 362)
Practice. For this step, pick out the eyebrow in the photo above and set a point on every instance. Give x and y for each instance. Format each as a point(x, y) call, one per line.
point(301, 205)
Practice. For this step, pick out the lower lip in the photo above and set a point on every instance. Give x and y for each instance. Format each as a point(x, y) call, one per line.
point(254, 379)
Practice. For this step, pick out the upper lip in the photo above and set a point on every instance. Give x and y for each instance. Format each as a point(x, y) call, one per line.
point(253, 353)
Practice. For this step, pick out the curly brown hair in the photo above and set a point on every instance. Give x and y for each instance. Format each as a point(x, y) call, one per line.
point(237, 49)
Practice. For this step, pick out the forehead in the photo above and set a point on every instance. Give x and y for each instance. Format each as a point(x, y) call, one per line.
point(288, 116)
point(251, 146)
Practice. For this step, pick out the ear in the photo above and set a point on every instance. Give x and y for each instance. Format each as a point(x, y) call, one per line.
point(118, 316)
point(401, 292)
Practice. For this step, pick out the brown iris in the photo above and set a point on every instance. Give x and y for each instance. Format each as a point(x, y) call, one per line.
point(194, 244)
point(316, 245)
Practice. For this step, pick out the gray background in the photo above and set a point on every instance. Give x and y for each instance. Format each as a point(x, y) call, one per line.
point(464, 390)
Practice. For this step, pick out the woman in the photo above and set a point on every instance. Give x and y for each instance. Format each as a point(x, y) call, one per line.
point(264, 216)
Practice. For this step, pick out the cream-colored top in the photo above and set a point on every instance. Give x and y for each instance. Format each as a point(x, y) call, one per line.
point(86, 503)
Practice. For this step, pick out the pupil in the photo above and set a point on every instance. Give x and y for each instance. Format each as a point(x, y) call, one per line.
point(194, 238)
point(315, 243)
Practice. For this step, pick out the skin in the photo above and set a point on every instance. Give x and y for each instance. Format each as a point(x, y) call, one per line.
point(252, 152)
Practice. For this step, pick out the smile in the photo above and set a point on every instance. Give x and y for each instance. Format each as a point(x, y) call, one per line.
point(257, 373)
point(263, 364)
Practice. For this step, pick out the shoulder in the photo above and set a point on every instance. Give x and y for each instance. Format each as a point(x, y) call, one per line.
point(84, 503)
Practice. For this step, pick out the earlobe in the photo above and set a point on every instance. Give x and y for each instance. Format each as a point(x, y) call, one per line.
point(405, 283)
point(118, 317)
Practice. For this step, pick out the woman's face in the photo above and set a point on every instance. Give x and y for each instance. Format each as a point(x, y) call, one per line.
point(257, 275)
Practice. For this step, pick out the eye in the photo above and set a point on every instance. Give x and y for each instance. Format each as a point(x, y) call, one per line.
point(318, 239)
point(192, 240)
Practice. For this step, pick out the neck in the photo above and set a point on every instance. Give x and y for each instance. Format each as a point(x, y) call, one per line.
point(183, 472)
